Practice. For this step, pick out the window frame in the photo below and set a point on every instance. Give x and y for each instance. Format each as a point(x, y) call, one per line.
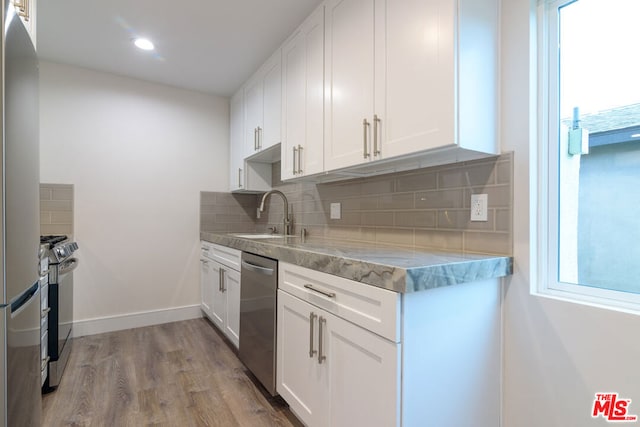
point(545, 234)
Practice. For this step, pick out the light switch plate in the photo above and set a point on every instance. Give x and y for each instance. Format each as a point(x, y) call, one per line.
point(479, 207)
point(335, 211)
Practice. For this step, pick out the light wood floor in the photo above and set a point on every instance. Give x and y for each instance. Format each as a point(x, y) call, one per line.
point(176, 374)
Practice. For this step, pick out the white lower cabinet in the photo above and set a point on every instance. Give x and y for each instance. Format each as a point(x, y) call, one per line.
point(330, 371)
point(351, 354)
point(220, 288)
point(232, 291)
point(206, 286)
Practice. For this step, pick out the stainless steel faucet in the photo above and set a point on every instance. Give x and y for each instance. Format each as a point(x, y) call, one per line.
point(286, 221)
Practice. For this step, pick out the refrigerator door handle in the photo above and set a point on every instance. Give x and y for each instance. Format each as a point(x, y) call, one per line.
point(22, 301)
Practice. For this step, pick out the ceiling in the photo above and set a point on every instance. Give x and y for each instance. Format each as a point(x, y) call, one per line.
point(210, 46)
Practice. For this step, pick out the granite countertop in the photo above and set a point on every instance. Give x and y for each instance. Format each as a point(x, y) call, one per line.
point(395, 269)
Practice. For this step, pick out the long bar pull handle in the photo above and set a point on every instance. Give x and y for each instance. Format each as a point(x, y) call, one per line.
point(220, 279)
point(223, 281)
point(259, 137)
point(295, 150)
point(240, 177)
point(365, 127)
point(255, 139)
point(312, 352)
point(376, 121)
point(321, 357)
point(320, 291)
point(300, 159)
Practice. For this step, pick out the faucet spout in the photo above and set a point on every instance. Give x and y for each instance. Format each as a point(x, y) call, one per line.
point(286, 221)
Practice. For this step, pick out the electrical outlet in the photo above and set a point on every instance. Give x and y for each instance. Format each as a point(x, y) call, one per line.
point(479, 204)
point(335, 211)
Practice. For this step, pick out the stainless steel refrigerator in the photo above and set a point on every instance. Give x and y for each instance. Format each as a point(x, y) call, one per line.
point(21, 400)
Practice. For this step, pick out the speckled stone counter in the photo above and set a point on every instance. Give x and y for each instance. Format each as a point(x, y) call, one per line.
point(396, 269)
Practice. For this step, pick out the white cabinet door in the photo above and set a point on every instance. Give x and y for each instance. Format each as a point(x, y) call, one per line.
point(237, 151)
point(272, 102)
point(418, 77)
point(301, 380)
point(263, 105)
point(303, 99)
point(349, 99)
point(232, 291)
point(253, 108)
point(364, 375)
point(206, 286)
point(219, 303)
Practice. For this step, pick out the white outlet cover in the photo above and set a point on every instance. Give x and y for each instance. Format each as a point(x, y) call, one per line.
point(335, 211)
point(479, 204)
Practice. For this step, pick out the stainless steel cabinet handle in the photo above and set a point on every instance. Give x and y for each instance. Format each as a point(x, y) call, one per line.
point(257, 268)
point(321, 357)
point(312, 352)
point(259, 137)
point(376, 120)
point(365, 127)
point(255, 139)
point(204, 261)
point(295, 151)
point(300, 159)
point(320, 291)
point(45, 312)
point(221, 280)
point(239, 177)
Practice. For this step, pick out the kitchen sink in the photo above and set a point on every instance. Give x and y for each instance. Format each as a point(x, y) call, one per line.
point(259, 236)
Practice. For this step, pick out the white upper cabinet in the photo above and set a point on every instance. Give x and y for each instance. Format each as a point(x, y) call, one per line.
point(26, 9)
point(408, 77)
point(237, 150)
point(245, 177)
point(303, 99)
point(349, 97)
point(262, 97)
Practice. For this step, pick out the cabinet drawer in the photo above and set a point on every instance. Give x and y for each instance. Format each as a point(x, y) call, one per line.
point(372, 308)
point(224, 255)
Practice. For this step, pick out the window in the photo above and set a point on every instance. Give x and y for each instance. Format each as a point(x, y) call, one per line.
point(589, 157)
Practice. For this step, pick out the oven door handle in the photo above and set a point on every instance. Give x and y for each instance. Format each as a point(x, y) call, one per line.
point(68, 266)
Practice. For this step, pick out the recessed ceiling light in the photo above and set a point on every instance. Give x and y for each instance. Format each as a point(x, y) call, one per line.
point(144, 44)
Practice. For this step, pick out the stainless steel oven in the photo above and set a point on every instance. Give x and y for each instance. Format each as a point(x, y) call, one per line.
point(60, 321)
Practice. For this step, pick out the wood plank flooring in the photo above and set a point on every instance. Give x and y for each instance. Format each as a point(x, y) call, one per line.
point(175, 374)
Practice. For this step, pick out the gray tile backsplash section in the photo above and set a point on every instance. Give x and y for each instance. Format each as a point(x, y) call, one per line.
point(427, 208)
point(225, 212)
point(56, 209)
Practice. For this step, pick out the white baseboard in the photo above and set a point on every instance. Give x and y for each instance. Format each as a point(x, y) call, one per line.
point(100, 325)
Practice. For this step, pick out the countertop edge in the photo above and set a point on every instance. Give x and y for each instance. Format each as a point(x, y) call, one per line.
point(393, 278)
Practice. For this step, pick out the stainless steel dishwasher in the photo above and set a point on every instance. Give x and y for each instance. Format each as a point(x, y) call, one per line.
point(258, 290)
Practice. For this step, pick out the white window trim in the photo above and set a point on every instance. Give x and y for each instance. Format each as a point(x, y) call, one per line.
point(544, 281)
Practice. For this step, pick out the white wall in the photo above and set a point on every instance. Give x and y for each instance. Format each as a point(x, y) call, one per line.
point(557, 354)
point(138, 155)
